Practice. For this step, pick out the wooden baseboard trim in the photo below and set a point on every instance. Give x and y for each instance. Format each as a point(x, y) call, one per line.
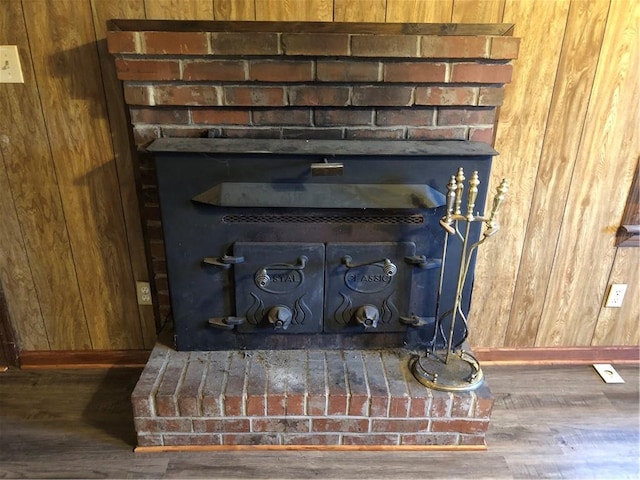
point(344, 448)
point(486, 356)
point(558, 355)
point(31, 360)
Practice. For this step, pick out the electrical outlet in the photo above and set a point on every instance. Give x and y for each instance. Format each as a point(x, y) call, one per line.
point(10, 69)
point(144, 293)
point(616, 295)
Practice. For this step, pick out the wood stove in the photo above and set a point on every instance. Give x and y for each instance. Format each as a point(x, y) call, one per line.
point(288, 244)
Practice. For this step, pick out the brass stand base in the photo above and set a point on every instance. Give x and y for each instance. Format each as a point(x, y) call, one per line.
point(462, 372)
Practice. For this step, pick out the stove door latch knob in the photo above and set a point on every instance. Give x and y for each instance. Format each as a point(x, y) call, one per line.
point(280, 317)
point(226, 261)
point(367, 316)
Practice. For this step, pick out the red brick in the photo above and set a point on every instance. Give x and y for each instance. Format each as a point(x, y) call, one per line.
point(220, 116)
point(166, 396)
point(472, 440)
point(414, 72)
point(481, 134)
point(399, 425)
point(377, 384)
point(163, 425)
point(490, 96)
point(484, 402)
point(437, 133)
point(310, 439)
point(316, 384)
point(280, 425)
point(252, 133)
point(315, 44)
point(374, 133)
point(318, 96)
point(296, 404)
point(452, 46)
point(254, 96)
point(159, 115)
point(481, 73)
point(400, 398)
point(429, 439)
point(345, 117)
point(205, 95)
point(504, 48)
point(150, 440)
point(413, 116)
point(211, 425)
point(134, 95)
point(280, 71)
point(192, 439)
point(446, 96)
point(462, 405)
point(141, 70)
point(368, 439)
point(276, 404)
point(386, 96)
point(466, 116)
point(339, 425)
point(459, 426)
point(184, 132)
point(227, 43)
point(338, 390)
point(282, 116)
point(256, 388)
point(122, 42)
point(347, 71)
point(313, 133)
point(250, 439)
point(180, 43)
point(214, 70)
point(384, 45)
point(235, 385)
point(296, 382)
point(440, 404)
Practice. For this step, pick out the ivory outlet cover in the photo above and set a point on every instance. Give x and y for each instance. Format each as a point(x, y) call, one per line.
point(608, 373)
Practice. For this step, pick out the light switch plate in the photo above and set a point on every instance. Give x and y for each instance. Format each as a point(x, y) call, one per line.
point(608, 373)
point(10, 68)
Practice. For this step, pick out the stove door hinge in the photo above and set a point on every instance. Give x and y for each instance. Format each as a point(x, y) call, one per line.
point(423, 262)
point(415, 321)
point(226, 323)
point(226, 261)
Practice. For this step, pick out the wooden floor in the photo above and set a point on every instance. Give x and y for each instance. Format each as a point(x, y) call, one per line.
point(548, 422)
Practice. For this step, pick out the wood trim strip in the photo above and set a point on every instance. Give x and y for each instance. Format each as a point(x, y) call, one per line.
point(83, 359)
point(487, 356)
point(558, 355)
point(348, 448)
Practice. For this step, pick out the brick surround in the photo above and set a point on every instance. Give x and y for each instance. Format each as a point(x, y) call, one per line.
point(316, 397)
point(311, 81)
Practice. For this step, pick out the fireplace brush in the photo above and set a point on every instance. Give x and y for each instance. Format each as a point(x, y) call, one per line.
point(452, 368)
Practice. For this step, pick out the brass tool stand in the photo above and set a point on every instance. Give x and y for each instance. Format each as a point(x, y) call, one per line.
point(452, 368)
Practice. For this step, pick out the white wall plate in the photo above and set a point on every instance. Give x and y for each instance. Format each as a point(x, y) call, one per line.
point(608, 373)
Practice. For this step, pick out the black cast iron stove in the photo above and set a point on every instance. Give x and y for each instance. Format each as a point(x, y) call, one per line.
point(275, 244)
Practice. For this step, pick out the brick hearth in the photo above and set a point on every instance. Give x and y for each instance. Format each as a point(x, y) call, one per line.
point(298, 397)
point(310, 81)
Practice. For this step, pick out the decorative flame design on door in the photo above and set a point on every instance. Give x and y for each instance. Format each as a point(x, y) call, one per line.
point(389, 310)
point(301, 312)
point(342, 315)
point(256, 312)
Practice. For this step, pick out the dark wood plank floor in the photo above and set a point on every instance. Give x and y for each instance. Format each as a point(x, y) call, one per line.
point(548, 422)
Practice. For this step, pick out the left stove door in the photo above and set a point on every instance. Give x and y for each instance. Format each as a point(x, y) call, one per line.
point(279, 287)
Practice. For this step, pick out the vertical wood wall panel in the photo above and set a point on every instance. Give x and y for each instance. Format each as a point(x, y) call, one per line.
point(234, 9)
point(619, 326)
point(69, 80)
point(578, 61)
point(605, 165)
point(32, 179)
point(15, 276)
point(104, 10)
point(298, 10)
point(359, 10)
point(520, 133)
point(64, 192)
point(179, 9)
point(428, 11)
point(478, 11)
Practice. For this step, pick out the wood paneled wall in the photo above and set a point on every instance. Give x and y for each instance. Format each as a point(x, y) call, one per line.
point(71, 245)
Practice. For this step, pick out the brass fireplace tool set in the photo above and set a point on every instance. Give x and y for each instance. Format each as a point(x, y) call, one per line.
point(452, 368)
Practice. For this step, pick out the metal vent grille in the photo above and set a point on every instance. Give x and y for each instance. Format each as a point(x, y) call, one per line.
point(369, 219)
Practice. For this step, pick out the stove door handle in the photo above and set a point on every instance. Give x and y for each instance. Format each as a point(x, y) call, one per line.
point(226, 261)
